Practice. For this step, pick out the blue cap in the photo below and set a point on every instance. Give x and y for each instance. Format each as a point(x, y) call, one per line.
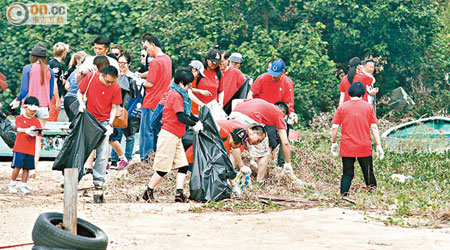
point(277, 68)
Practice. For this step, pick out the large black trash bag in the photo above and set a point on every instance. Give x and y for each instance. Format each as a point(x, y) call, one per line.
point(212, 166)
point(240, 94)
point(7, 131)
point(85, 135)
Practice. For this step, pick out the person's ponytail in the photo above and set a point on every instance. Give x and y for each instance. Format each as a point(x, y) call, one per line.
point(354, 62)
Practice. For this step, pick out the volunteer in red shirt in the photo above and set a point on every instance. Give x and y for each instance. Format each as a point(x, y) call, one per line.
point(357, 118)
point(170, 152)
point(354, 75)
point(103, 97)
point(232, 79)
point(274, 86)
point(273, 117)
point(158, 80)
point(212, 82)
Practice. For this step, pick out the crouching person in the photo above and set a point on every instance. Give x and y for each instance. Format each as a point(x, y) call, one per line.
point(170, 152)
point(357, 118)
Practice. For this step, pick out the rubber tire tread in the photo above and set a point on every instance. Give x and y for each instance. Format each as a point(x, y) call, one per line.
point(46, 234)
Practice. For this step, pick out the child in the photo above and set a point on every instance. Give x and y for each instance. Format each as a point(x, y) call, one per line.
point(27, 126)
point(170, 152)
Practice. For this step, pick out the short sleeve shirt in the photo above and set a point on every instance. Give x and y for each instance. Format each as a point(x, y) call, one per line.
point(232, 81)
point(174, 104)
point(100, 98)
point(212, 84)
point(58, 71)
point(273, 91)
point(355, 117)
point(160, 74)
point(345, 84)
point(24, 143)
point(263, 112)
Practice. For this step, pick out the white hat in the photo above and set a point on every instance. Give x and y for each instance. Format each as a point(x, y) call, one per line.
point(198, 65)
point(32, 107)
point(236, 57)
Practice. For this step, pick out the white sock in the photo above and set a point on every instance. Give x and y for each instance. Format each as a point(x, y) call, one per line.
point(23, 184)
point(12, 183)
point(122, 158)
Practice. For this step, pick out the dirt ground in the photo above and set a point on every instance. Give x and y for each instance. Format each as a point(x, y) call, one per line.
point(138, 225)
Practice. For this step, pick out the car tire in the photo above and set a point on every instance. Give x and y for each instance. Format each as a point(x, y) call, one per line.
point(46, 233)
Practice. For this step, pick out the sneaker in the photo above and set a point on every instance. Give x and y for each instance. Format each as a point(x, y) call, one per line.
point(148, 195)
point(99, 187)
point(108, 167)
point(24, 190)
point(179, 197)
point(12, 188)
point(88, 171)
point(122, 164)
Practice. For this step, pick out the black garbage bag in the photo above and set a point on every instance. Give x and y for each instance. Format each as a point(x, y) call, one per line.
point(212, 166)
point(7, 131)
point(240, 94)
point(85, 135)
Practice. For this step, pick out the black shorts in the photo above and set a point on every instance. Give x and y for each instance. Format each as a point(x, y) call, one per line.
point(274, 138)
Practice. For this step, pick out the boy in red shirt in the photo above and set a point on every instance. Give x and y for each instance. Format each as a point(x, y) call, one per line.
point(357, 118)
point(27, 126)
point(170, 152)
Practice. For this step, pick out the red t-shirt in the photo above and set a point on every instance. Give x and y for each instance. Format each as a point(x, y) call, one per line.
point(160, 74)
point(100, 98)
point(345, 84)
point(174, 104)
point(267, 89)
point(262, 112)
point(25, 144)
point(232, 81)
point(355, 116)
point(212, 84)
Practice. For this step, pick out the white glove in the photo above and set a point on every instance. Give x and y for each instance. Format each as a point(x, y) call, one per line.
point(198, 126)
point(293, 118)
point(380, 152)
point(15, 104)
point(288, 167)
point(335, 149)
point(109, 130)
point(246, 170)
point(82, 107)
point(31, 131)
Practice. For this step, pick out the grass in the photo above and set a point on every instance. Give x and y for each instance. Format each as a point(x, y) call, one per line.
point(423, 200)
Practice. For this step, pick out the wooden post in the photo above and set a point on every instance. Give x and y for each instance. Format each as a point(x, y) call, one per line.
point(70, 199)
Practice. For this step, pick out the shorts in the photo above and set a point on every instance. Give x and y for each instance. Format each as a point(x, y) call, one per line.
point(259, 150)
point(170, 152)
point(42, 113)
point(24, 161)
point(274, 138)
point(116, 135)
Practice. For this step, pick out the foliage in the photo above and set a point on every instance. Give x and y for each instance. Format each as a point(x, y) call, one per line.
point(315, 38)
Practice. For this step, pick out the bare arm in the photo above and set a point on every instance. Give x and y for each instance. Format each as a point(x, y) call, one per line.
point(341, 99)
point(148, 84)
point(195, 99)
point(376, 134)
point(250, 95)
point(221, 95)
point(79, 97)
point(334, 132)
point(285, 144)
point(112, 115)
point(236, 153)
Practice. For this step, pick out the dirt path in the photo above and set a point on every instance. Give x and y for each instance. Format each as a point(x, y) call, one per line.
point(172, 226)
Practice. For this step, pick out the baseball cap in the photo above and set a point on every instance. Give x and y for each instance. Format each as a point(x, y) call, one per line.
point(214, 56)
point(277, 68)
point(39, 51)
point(241, 134)
point(198, 65)
point(32, 107)
point(236, 57)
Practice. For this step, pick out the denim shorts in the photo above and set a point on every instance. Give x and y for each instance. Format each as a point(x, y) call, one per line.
point(21, 160)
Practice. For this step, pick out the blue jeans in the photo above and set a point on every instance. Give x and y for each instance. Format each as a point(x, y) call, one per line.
point(156, 124)
point(129, 148)
point(99, 169)
point(146, 140)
